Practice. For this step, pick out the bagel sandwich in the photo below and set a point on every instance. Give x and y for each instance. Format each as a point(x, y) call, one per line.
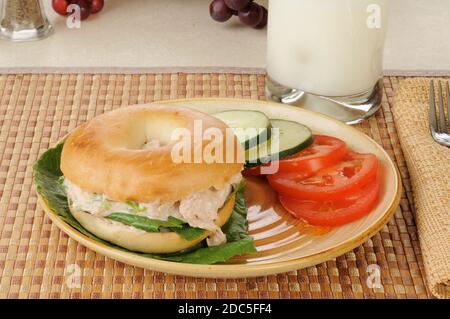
point(124, 187)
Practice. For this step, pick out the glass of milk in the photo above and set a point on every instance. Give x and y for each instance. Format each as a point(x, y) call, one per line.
point(331, 50)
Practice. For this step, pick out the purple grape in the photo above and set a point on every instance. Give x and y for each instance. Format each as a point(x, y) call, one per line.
point(263, 22)
point(237, 4)
point(85, 8)
point(219, 11)
point(251, 15)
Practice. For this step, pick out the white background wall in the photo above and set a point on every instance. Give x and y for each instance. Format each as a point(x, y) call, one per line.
point(180, 33)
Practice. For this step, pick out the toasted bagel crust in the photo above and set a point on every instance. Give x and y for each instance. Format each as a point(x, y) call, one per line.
point(141, 241)
point(105, 155)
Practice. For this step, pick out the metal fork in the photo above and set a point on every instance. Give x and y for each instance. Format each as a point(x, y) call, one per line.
point(438, 126)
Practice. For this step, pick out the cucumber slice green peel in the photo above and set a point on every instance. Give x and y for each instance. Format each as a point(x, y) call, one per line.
point(250, 127)
point(292, 138)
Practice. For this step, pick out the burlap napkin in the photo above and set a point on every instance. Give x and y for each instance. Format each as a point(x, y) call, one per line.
point(429, 168)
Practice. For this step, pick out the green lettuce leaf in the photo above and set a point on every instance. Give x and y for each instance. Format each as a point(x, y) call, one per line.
point(211, 255)
point(236, 228)
point(145, 223)
point(47, 176)
point(189, 233)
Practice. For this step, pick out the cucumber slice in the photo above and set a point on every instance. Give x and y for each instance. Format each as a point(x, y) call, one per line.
point(293, 137)
point(250, 127)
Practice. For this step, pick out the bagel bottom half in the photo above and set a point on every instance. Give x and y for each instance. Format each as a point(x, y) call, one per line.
point(140, 241)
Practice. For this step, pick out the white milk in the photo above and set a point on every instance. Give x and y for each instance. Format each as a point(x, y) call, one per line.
point(325, 47)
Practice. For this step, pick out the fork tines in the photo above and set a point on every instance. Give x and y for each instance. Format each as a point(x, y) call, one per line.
point(438, 125)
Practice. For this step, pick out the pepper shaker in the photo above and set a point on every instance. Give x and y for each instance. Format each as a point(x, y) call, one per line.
point(23, 20)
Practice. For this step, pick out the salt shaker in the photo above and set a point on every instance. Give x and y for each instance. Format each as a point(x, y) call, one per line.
point(23, 20)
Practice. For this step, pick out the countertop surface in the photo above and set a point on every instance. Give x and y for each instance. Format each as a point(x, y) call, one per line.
point(139, 35)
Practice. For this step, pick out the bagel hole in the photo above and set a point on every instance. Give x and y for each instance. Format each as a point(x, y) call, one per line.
point(150, 133)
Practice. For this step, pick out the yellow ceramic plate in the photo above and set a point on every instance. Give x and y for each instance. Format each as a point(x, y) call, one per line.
point(283, 243)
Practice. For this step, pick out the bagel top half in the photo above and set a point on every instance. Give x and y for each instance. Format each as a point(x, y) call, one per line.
point(107, 155)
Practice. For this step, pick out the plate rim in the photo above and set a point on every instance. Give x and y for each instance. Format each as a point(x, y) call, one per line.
point(239, 270)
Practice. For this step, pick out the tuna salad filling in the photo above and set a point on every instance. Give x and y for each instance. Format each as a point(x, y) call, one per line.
point(198, 210)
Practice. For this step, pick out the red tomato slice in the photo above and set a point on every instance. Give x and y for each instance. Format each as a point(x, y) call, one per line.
point(291, 176)
point(331, 183)
point(324, 152)
point(334, 213)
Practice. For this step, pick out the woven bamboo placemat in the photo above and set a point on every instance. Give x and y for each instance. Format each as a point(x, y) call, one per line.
point(39, 261)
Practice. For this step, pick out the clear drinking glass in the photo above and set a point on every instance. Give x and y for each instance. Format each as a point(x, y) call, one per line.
point(23, 20)
point(329, 50)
